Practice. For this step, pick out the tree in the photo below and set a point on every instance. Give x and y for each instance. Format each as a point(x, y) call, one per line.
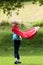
point(40, 1)
point(9, 5)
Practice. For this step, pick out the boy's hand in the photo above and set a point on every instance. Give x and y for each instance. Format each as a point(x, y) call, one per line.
point(20, 37)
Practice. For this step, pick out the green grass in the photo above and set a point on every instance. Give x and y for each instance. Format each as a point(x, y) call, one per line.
point(35, 23)
point(31, 51)
point(31, 56)
point(38, 23)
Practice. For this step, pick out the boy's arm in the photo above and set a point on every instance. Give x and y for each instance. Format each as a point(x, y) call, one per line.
point(18, 31)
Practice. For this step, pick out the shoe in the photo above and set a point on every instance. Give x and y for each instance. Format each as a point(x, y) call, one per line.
point(17, 62)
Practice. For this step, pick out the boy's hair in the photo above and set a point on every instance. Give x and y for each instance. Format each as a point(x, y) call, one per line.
point(17, 22)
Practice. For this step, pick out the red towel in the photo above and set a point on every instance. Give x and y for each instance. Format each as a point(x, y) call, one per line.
point(26, 34)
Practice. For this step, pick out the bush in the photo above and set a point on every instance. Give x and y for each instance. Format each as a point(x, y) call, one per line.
point(5, 37)
point(5, 25)
point(38, 23)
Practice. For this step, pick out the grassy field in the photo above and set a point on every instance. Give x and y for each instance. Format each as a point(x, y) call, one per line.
point(31, 51)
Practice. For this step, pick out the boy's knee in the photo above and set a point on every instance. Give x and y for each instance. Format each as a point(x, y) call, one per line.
point(16, 51)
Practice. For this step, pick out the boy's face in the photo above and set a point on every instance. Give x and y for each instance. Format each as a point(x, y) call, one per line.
point(12, 24)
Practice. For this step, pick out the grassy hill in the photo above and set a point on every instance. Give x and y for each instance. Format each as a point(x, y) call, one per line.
point(31, 51)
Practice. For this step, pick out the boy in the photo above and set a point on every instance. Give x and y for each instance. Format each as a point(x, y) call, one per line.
point(17, 38)
point(17, 41)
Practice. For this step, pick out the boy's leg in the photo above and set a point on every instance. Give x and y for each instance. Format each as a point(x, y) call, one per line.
point(16, 49)
point(19, 42)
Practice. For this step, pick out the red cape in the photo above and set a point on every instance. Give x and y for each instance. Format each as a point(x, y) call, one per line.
point(26, 34)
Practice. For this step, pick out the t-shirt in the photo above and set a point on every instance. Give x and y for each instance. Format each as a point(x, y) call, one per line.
point(16, 37)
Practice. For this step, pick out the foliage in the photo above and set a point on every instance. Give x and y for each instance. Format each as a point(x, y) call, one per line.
point(6, 38)
point(5, 25)
point(38, 23)
point(9, 5)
